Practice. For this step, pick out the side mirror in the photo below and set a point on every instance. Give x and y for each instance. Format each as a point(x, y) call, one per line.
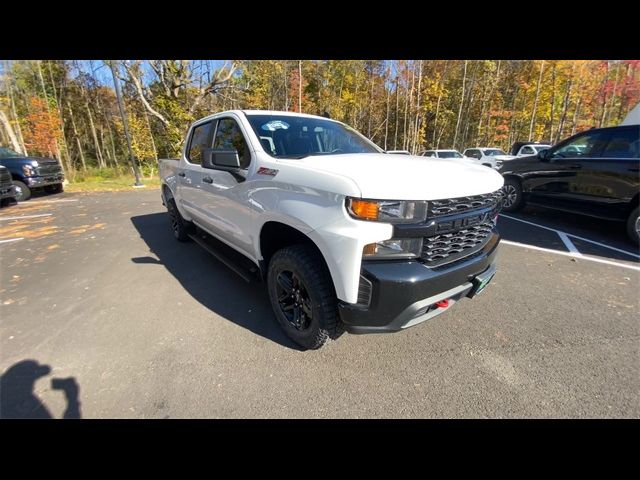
point(220, 159)
point(544, 155)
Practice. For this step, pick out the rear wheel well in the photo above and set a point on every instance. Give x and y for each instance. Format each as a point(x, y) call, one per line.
point(275, 236)
point(167, 192)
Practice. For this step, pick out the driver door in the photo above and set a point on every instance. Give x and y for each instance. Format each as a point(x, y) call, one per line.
point(557, 182)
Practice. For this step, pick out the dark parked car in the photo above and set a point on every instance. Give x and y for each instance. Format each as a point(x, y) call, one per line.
point(29, 173)
point(595, 173)
point(7, 190)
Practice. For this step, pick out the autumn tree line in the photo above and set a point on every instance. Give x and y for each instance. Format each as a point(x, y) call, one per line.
point(69, 109)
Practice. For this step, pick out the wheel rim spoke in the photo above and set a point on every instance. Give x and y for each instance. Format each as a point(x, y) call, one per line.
point(293, 300)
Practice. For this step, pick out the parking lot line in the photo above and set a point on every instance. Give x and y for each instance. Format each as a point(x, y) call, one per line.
point(26, 216)
point(567, 243)
point(571, 254)
point(572, 235)
point(26, 204)
point(11, 240)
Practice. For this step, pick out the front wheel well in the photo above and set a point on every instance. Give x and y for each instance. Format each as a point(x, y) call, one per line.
point(275, 236)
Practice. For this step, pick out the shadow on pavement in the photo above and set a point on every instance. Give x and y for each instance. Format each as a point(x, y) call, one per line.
point(209, 281)
point(17, 399)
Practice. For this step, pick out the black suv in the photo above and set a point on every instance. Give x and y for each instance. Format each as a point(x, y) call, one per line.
point(595, 173)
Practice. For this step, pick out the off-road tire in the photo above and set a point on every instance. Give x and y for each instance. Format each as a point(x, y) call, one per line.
point(180, 227)
point(306, 263)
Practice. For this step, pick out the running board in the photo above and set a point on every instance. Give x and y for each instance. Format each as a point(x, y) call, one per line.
point(246, 273)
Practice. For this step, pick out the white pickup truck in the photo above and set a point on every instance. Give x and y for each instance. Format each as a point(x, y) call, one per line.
point(347, 237)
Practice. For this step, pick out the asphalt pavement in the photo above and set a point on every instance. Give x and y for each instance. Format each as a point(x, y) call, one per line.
point(104, 315)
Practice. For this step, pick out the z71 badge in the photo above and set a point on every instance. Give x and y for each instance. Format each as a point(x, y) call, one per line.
point(267, 171)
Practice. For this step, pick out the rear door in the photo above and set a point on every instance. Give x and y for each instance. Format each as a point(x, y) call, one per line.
point(608, 182)
point(190, 178)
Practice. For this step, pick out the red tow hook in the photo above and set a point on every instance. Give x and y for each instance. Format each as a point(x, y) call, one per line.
point(442, 303)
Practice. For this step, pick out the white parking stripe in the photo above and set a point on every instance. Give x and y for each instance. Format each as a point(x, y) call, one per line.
point(26, 216)
point(572, 235)
point(26, 204)
point(11, 240)
point(569, 254)
point(567, 243)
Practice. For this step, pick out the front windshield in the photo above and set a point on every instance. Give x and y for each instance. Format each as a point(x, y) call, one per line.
point(491, 152)
point(8, 153)
point(288, 136)
point(449, 155)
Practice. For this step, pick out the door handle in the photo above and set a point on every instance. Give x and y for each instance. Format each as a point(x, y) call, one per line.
point(182, 174)
point(207, 180)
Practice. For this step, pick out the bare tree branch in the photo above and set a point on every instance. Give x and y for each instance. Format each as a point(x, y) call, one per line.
point(216, 82)
point(138, 84)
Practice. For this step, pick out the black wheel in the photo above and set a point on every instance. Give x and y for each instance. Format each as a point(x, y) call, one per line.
point(302, 296)
point(57, 188)
point(22, 191)
point(633, 226)
point(181, 228)
point(512, 196)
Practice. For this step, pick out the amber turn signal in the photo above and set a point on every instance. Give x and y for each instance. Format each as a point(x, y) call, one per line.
point(364, 209)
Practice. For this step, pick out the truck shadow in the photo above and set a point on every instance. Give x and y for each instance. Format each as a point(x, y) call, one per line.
point(209, 281)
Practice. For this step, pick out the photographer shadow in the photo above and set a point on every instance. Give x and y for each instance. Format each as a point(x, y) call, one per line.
point(17, 399)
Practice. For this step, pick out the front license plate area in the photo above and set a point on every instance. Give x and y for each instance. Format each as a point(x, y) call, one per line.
point(481, 281)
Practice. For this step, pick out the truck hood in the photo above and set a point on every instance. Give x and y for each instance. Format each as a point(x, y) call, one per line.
point(408, 177)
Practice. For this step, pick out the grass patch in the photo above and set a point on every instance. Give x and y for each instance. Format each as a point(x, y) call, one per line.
point(95, 183)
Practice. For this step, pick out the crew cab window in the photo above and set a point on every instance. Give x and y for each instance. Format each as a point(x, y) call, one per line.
point(200, 139)
point(229, 137)
point(527, 150)
point(622, 143)
point(589, 144)
point(474, 154)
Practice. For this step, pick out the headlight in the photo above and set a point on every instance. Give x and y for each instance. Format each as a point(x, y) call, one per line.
point(390, 211)
point(28, 170)
point(394, 248)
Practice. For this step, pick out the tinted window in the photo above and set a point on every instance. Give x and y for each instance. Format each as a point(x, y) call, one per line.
point(527, 150)
point(449, 155)
point(588, 144)
point(623, 143)
point(229, 137)
point(493, 151)
point(199, 140)
point(474, 154)
point(429, 153)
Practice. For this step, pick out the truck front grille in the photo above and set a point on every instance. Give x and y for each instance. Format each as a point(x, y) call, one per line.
point(452, 246)
point(450, 206)
point(49, 168)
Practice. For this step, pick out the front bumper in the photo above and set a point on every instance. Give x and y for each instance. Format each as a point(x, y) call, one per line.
point(7, 191)
point(403, 292)
point(45, 180)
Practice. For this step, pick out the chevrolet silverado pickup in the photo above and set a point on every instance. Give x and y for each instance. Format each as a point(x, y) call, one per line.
point(346, 236)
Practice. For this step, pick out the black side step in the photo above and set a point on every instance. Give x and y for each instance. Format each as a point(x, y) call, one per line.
point(233, 260)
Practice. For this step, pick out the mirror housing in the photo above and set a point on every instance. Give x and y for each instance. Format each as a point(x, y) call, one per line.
point(544, 155)
point(220, 159)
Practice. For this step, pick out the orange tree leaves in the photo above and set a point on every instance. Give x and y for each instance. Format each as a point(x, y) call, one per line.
point(42, 128)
